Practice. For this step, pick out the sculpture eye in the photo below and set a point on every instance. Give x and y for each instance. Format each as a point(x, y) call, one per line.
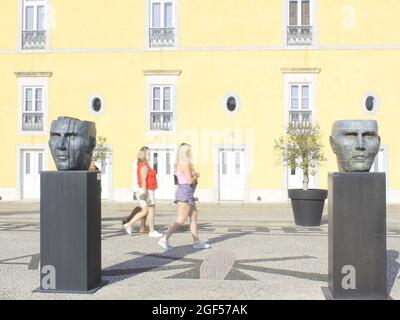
point(351, 134)
point(55, 134)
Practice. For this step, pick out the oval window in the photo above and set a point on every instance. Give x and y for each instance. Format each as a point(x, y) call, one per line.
point(96, 104)
point(231, 104)
point(370, 103)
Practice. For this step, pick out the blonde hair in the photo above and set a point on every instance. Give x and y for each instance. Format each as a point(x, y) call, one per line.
point(184, 155)
point(141, 156)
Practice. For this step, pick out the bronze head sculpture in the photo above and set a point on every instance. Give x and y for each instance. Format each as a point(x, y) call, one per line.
point(355, 143)
point(72, 142)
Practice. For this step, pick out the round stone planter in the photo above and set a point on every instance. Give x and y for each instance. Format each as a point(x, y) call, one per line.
point(308, 206)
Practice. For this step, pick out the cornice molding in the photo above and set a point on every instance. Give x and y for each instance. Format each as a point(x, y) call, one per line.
point(162, 72)
point(300, 70)
point(33, 74)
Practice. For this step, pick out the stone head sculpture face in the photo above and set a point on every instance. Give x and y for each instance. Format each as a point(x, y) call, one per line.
point(72, 142)
point(355, 143)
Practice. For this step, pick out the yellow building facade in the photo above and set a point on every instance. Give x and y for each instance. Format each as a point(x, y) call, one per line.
point(225, 76)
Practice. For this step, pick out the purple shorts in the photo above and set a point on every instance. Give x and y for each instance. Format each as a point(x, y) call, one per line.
point(184, 193)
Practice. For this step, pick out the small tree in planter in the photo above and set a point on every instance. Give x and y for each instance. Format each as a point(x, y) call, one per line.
point(102, 152)
point(301, 148)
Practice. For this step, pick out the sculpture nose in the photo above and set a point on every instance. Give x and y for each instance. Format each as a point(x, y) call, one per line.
point(360, 143)
point(62, 146)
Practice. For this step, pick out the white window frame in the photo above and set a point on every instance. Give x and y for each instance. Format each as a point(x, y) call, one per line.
point(377, 101)
point(289, 79)
point(35, 4)
point(90, 104)
point(162, 15)
point(22, 4)
point(300, 86)
point(300, 79)
point(34, 82)
point(313, 24)
point(161, 81)
point(148, 24)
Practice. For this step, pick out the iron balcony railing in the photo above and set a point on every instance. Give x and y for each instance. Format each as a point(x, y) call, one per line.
point(162, 37)
point(34, 39)
point(299, 35)
point(161, 121)
point(32, 121)
point(300, 116)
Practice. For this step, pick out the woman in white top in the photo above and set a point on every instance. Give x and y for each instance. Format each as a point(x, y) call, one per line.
point(187, 182)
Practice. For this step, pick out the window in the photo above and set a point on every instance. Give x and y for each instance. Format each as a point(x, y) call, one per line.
point(162, 26)
point(96, 104)
point(161, 112)
point(161, 91)
point(231, 103)
point(34, 24)
point(32, 115)
point(299, 26)
point(299, 109)
point(33, 104)
point(370, 103)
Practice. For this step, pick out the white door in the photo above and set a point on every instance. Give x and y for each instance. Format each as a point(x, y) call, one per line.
point(162, 160)
point(379, 162)
point(105, 169)
point(295, 179)
point(231, 174)
point(32, 165)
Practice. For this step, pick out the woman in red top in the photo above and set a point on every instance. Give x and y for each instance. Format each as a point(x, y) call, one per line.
point(147, 182)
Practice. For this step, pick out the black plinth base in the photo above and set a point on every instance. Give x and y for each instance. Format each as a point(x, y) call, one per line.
point(91, 291)
point(357, 235)
point(70, 229)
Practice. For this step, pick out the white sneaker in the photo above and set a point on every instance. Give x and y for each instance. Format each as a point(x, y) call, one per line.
point(128, 229)
point(201, 245)
point(155, 234)
point(164, 243)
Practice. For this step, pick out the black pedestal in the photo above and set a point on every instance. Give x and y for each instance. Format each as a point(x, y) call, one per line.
point(70, 229)
point(357, 235)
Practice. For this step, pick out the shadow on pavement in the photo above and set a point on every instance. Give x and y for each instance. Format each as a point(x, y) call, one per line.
point(393, 268)
point(159, 261)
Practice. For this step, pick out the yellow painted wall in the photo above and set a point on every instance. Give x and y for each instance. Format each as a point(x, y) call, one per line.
point(77, 24)
point(97, 24)
point(358, 22)
point(231, 23)
point(205, 79)
point(9, 20)
point(207, 76)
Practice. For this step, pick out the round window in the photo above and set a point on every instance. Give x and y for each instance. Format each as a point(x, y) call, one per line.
point(96, 104)
point(231, 104)
point(370, 103)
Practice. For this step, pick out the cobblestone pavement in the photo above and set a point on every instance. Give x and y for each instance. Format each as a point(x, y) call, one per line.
point(257, 253)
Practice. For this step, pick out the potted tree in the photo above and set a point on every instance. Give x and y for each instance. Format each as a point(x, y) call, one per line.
point(102, 152)
point(301, 148)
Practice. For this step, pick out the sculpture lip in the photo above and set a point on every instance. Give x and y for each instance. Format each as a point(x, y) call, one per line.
point(62, 157)
point(360, 157)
